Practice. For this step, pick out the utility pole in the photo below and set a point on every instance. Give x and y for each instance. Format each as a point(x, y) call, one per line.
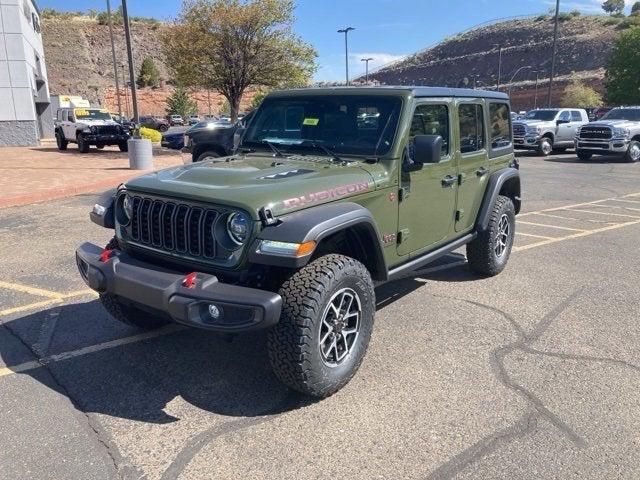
point(553, 55)
point(113, 56)
point(499, 65)
point(366, 68)
point(127, 36)
point(126, 96)
point(346, 50)
point(535, 98)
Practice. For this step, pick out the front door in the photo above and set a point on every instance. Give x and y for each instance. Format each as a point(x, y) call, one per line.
point(473, 161)
point(428, 194)
point(564, 131)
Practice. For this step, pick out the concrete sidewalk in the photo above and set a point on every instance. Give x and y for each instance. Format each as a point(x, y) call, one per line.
point(37, 174)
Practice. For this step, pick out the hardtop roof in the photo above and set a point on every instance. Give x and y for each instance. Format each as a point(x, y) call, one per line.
point(413, 90)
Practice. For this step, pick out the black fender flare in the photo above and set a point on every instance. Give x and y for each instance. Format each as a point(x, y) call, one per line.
point(317, 224)
point(106, 200)
point(508, 178)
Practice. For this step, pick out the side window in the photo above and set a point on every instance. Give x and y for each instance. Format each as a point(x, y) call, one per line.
point(471, 128)
point(431, 120)
point(500, 125)
point(576, 116)
point(565, 116)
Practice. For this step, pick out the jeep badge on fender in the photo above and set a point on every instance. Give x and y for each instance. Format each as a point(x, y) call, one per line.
point(330, 192)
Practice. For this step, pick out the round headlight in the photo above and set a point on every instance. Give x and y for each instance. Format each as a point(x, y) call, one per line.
point(238, 227)
point(127, 207)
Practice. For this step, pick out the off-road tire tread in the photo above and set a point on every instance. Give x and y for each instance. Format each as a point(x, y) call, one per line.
point(290, 341)
point(61, 142)
point(479, 252)
point(83, 147)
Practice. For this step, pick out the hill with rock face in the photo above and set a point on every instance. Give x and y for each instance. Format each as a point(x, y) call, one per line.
point(584, 44)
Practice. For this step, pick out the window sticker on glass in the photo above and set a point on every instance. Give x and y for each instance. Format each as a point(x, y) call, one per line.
point(81, 112)
point(311, 122)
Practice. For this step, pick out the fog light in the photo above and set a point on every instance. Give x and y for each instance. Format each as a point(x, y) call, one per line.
point(214, 311)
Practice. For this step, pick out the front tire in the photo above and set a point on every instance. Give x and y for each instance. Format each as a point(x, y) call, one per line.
point(489, 253)
point(123, 146)
point(206, 155)
point(584, 156)
point(83, 146)
point(633, 152)
point(546, 147)
point(325, 327)
point(61, 141)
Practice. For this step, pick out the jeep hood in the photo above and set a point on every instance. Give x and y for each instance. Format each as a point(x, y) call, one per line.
point(251, 182)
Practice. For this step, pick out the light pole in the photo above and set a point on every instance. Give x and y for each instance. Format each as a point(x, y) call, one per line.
point(553, 55)
point(127, 36)
point(126, 96)
point(346, 50)
point(514, 76)
point(535, 98)
point(113, 56)
point(366, 68)
point(499, 65)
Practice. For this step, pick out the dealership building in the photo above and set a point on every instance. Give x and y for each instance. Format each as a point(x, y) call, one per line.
point(25, 106)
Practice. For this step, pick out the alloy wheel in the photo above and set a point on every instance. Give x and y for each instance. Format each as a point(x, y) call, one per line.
point(339, 327)
point(502, 236)
point(634, 151)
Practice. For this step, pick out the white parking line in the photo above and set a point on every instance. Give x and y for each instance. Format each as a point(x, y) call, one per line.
point(576, 219)
point(551, 226)
point(536, 236)
point(603, 213)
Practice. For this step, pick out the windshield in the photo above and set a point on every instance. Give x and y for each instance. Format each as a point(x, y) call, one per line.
point(632, 114)
point(345, 124)
point(544, 115)
point(86, 114)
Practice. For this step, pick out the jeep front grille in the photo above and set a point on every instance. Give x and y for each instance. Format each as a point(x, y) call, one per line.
point(108, 129)
point(177, 228)
point(519, 130)
point(592, 133)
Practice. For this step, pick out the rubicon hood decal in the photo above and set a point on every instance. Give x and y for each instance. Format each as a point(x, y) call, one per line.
point(287, 174)
point(332, 193)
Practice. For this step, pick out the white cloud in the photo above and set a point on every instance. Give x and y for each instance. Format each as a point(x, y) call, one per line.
point(378, 60)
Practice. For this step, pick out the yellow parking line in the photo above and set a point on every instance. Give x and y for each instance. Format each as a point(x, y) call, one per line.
point(79, 293)
point(31, 290)
point(31, 365)
point(536, 236)
point(575, 235)
point(604, 213)
point(31, 306)
point(576, 205)
point(551, 226)
point(576, 219)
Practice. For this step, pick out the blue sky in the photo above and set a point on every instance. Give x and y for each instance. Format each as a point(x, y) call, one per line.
point(385, 29)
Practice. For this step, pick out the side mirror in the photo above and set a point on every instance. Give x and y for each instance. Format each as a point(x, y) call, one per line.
point(427, 149)
point(560, 122)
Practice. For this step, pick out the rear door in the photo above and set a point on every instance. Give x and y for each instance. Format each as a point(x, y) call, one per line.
point(69, 127)
point(428, 195)
point(472, 159)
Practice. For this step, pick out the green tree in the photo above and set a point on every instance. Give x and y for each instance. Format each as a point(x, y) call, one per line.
point(635, 9)
point(258, 98)
point(622, 78)
point(579, 95)
point(232, 45)
point(148, 76)
point(179, 103)
point(613, 7)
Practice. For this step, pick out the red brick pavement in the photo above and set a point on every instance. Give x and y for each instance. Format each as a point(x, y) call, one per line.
point(37, 174)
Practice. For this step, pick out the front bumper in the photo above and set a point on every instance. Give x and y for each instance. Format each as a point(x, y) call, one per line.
point(105, 139)
point(528, 141)
point(615, 146)
point(161, 290)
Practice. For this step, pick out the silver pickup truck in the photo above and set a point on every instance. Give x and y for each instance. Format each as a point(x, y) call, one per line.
point(617, 133)
point(547, 130)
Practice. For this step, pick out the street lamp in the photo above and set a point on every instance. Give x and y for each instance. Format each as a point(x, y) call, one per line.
point(127, 36)
point(366, 68)
point(346, 50)
point(499, 65)
point(553, 56)
point(535, 98)
point(514, 76)
point(113, 56)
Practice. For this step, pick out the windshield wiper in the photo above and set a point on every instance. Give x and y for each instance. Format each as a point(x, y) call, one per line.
point(326, 150)
point(275, 149)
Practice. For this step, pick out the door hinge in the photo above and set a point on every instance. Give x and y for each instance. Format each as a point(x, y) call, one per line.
point(403, 235)
point(403, 193)
point(459, 215)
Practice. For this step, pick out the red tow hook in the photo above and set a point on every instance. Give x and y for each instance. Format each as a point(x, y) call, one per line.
point(106, 254)
point(189, 280)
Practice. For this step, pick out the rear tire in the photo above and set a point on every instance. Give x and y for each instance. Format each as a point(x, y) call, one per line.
point(128, 314)
point(633, 152)
point(83, 146)
point(61, 141)
point(163, 128)
point(584, 156)
point(546, 147)
point(326, 323)
point(489, 253)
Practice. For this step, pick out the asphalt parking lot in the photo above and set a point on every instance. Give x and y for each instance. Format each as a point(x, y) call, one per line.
point(533, 373)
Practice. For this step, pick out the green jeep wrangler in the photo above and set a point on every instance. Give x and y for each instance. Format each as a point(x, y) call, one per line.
point(331, 191)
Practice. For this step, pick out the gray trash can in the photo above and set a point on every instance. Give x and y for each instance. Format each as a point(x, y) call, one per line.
point(140, 154)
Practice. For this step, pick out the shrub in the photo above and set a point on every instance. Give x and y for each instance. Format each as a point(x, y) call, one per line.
point(564, 16)
point(612, 21)
point(575, 13)
point(149, 133)
point(579, 95)
point(542, 18)
point(629, 22)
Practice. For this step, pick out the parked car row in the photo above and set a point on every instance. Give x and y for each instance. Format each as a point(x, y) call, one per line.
point(617, 132)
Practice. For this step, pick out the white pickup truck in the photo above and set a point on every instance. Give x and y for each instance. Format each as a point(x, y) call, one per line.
point(617, 133)
point(547, 130)
point(88, 126)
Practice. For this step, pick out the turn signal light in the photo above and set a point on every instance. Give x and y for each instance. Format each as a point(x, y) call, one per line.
point(106, 255)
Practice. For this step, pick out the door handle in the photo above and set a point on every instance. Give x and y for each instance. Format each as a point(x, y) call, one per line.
point(481, 172)
point(449, 180)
